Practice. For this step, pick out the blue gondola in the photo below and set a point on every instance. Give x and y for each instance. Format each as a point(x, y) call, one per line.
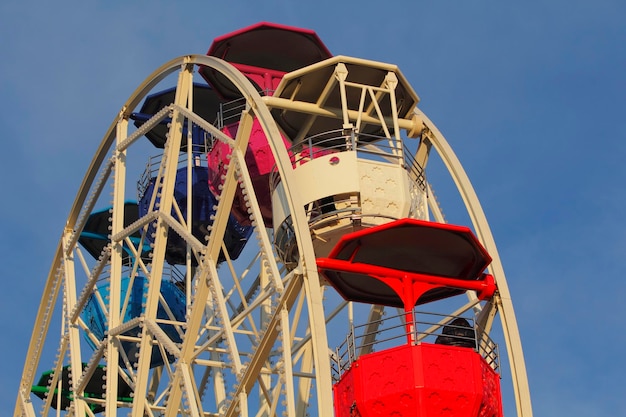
point(203, 203)
point(94, 316)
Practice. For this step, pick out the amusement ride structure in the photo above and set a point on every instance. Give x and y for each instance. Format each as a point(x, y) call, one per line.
point(257, 236)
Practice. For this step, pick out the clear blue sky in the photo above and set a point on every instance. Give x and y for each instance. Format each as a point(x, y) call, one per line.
point(530, 96)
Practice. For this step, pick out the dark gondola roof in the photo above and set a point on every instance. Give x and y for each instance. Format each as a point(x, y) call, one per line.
point(95, 235)
point(406, 246)
point(264, 47)
point(206, 104)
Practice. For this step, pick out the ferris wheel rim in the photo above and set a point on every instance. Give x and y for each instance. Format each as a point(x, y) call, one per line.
point(502, 299)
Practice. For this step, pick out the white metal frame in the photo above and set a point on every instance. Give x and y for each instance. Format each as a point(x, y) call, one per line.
point(256, 337)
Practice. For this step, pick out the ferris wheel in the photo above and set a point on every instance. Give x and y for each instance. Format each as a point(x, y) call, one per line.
point(257, 236)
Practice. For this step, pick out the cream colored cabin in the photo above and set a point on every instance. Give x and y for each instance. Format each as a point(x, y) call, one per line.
point(351, 166)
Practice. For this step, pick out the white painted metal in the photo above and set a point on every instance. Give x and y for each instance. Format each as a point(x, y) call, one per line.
point(255, 340)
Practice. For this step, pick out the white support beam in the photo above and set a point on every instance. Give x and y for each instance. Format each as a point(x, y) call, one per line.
point(168, 169)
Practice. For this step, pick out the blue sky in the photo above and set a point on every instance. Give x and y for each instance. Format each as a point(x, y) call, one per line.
point(530, 97)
